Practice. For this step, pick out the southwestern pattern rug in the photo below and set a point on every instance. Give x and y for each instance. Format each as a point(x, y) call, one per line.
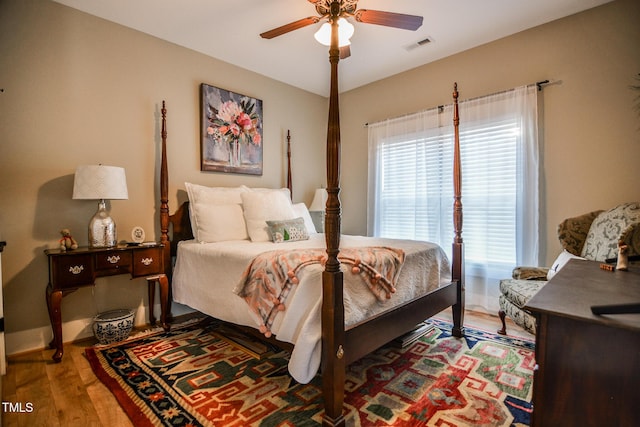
point(192, 377)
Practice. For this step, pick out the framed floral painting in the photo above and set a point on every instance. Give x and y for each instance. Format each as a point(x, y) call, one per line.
point(231, 132)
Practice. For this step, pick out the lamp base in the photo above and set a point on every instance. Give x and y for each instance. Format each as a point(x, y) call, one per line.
point(318, 220)
point(102, 229)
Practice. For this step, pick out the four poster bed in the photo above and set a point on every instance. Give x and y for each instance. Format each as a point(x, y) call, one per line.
point(421, 284)
point(319, 321)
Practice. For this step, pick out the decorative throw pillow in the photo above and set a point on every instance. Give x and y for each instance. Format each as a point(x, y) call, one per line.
point(216, 213)
point(260, 206)
point(300, 209)
point(288, 230)
point(564, 257)
point(619, 223)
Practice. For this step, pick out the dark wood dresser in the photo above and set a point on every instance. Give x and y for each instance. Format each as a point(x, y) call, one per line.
point(588, 371)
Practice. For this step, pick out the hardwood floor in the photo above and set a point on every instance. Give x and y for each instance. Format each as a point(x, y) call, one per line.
point(69, 394)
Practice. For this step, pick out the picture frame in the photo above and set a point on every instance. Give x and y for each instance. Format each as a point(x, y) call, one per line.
point(231, 131)
point(137, 234)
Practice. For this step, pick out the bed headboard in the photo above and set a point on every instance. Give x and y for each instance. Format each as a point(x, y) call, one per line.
point(180, 227)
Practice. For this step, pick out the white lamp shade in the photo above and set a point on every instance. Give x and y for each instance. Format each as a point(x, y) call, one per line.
point(319, 202)
point(345, 31)
point(96, 182)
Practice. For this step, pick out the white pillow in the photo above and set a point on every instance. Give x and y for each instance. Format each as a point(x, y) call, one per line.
point(216, 213)
point(284, 190)
point(222, 223)
point(562, 259)
point(260, 206)
point(300, 209)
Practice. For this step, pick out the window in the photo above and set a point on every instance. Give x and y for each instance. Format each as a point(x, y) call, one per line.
point(411, 183)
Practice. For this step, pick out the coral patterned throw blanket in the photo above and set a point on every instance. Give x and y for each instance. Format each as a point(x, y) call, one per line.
point(267, 282)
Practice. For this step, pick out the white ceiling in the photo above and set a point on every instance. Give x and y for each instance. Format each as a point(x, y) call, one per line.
point(229, 30)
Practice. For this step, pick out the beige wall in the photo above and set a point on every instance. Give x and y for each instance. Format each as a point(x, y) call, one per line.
point(81, 90)
point(591, 138)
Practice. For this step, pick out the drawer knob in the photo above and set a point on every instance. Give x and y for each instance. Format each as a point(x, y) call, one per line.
point(147, 261)
point(76, 269)
point(113, 259)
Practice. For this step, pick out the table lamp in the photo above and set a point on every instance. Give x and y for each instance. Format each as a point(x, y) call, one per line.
point(318, 207)
point(99, 182)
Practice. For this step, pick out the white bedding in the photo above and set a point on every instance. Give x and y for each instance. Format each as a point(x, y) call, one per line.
point(206, 274)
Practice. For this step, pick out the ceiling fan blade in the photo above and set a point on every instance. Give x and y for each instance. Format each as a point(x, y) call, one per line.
point(301, 23)
point(345, 52)
point(389, 19)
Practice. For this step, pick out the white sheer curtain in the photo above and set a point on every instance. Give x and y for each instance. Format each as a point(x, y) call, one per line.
point(495, 123)
point(410, 168)
point(411, 189)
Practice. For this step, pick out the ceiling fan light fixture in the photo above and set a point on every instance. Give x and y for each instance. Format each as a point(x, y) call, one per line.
point(345, 31)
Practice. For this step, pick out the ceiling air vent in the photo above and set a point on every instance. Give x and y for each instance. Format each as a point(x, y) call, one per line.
point(419, 43)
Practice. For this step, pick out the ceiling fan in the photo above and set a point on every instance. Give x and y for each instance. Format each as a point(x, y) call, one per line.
point(348, 8)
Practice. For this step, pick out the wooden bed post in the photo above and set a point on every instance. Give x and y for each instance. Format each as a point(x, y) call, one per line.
point(289, 183)
point(457, 269)
point(333, 334)
point(164, 282)
point(164, 197)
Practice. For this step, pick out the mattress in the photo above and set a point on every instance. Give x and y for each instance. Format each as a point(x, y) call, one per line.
point(206, 275)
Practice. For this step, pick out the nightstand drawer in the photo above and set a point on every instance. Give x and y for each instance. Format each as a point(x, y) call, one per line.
point(147, 262)
point(72, 271)
point(114, 261)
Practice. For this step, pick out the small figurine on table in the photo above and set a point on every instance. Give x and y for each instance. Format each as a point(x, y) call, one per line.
point(67, 242)
point(623, 256)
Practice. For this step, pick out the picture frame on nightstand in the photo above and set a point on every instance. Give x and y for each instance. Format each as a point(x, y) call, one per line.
point(137, 234)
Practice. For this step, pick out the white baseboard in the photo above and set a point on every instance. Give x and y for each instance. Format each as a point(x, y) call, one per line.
point(74, 330)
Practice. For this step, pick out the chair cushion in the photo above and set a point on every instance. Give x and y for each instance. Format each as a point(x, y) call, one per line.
point(619, 223)
point(519, 292)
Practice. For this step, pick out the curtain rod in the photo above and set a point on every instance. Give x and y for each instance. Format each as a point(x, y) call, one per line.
point(539, 84)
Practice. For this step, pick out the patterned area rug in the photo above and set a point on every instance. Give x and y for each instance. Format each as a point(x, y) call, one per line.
point(192, 377)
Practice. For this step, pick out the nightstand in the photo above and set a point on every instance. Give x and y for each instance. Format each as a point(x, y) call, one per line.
point(74, 269)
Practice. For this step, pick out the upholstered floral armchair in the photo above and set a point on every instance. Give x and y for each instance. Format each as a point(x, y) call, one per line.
point(594, 236)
